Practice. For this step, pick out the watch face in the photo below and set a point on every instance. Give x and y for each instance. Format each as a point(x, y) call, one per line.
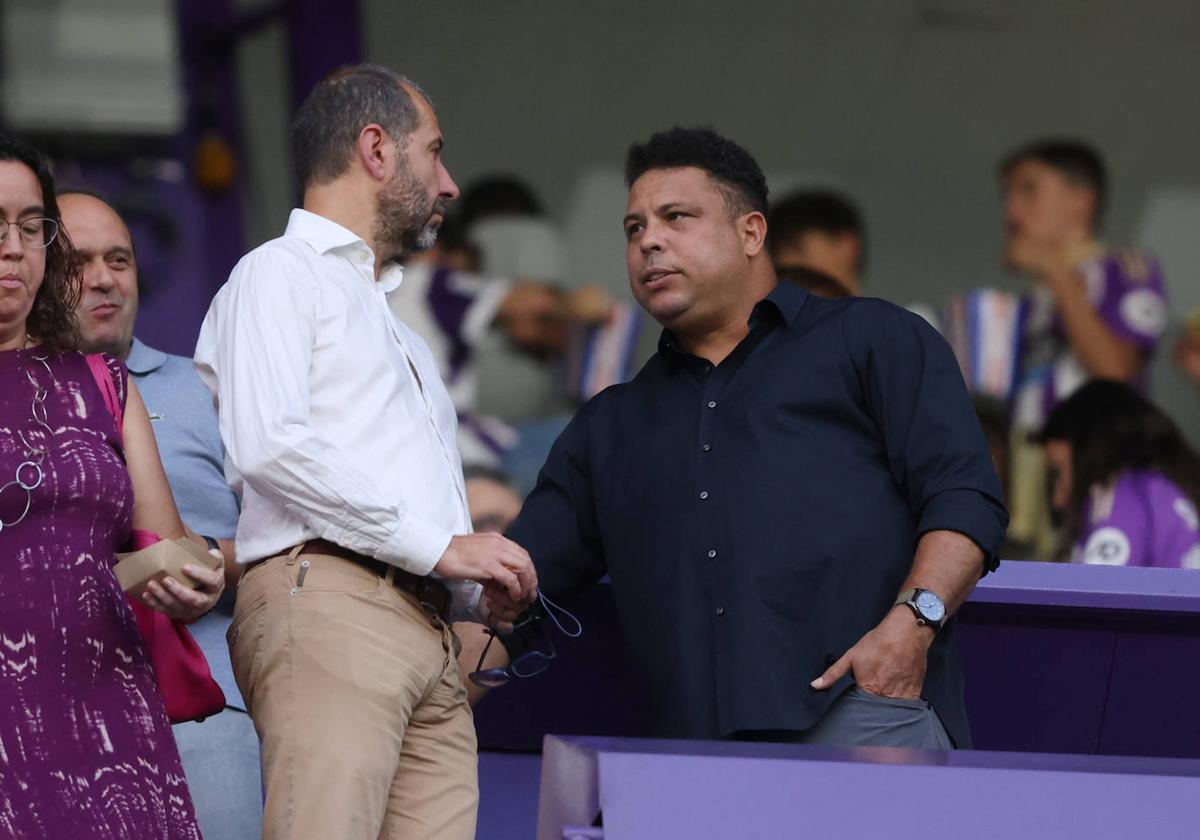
point(931, 606)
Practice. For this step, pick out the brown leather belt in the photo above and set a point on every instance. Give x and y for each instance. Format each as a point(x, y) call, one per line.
point(431, 594)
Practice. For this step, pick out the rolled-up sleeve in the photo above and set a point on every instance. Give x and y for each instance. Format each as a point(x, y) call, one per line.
point(935, 448)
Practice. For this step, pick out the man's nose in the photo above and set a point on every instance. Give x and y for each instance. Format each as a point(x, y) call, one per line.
point(446, 186)
point(98, 278)
point(651, 239)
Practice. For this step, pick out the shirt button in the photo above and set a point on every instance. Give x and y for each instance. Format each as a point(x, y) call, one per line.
point(712, 552)
point(703, 494)
point(720, 611)
point(712, 403)
point(707, 447)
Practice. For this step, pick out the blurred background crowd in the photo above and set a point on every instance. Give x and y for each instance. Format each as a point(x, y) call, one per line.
point(1019, 174)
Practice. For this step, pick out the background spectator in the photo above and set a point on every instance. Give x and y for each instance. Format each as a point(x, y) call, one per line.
point(1093, 312)
point(821, 231)
point(220, 753)
point(1123, 482)
point(81, 697)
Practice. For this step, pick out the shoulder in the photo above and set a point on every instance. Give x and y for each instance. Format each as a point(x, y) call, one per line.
point(282, 273)
point(863, 311)
point(101, 369)
point(119, 373)
point(1132, 267)
point(638, 387)
point(1119, 519)
point(1164, 497)
point(873, 325)
point(177, 371)
point(287, 260)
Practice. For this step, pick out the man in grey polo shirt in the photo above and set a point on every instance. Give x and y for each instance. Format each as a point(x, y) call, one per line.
point(220, 754)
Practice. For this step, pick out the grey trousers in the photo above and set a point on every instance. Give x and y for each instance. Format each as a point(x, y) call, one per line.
point(220, 760)
point(860, 719)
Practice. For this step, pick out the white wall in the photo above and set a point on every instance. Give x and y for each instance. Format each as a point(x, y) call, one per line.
point(906, 104)
point(909, 106)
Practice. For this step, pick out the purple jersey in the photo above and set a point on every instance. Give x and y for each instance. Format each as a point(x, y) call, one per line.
point(1141, 519)
point(1128, 292)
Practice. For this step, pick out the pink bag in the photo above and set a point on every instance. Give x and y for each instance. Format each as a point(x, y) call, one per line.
point(188, 689)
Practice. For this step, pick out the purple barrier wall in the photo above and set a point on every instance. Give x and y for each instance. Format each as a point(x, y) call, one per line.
point(1061, 659)
point(686, 789)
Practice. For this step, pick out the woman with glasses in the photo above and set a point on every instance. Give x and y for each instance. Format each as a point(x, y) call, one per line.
point(86, 745)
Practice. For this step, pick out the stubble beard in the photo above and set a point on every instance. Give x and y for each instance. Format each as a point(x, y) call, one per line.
point(403, 217)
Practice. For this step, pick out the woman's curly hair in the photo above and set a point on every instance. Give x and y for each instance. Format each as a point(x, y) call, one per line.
point(52, 320)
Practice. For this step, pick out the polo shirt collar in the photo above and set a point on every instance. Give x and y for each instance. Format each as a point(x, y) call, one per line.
point(143, 359)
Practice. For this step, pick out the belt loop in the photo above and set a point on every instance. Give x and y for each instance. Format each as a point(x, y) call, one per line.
point(390, 575)
point(295, 552)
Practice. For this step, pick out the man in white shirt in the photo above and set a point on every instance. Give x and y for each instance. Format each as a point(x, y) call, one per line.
point(355, 530)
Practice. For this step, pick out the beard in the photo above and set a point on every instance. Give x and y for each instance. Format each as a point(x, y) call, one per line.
point(403, 218)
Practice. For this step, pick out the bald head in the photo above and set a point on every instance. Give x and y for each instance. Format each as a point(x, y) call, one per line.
point(108, 306)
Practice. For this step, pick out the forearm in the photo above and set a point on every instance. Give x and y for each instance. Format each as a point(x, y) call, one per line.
point(1102, 353)
point(947, 563)
point(233, 571)
point(890, 660)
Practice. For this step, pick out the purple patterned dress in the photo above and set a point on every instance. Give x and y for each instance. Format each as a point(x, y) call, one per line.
point(85, 746)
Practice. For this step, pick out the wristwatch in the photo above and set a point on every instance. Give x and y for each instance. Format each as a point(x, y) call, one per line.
point(926, 606)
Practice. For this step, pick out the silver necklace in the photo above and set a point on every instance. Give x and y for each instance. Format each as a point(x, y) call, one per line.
point(29, 475)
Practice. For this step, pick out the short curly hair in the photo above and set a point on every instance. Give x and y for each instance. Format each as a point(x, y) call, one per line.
point(733, 168)
point(52, 318)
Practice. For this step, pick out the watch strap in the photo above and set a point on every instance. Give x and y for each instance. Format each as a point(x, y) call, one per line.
point(909, 599)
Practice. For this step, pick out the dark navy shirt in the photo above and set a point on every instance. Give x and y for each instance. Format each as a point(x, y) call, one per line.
point(758, 517)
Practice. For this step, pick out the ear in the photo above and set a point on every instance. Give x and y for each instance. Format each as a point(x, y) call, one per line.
point(1084, 204)
point(1090, 203)
point(752, 228)
point(373, 149)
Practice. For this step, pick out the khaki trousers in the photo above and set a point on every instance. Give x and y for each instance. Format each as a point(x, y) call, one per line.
point(354, 690)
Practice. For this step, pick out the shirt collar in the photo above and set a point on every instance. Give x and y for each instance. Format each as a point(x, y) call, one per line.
point(785, 300)
point(143, 359)
point(321, 233)
point(324, 235)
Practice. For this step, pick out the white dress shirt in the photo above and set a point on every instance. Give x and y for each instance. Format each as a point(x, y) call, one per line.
point(335, 421)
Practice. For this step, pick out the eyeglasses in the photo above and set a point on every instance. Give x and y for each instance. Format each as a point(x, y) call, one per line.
point(531, 663)
point(35, 233)
point(528, 664)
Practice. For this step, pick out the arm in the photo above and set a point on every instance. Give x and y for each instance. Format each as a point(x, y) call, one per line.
point(260, 359)
point(938, 457)
point(154, 510)
point(535, 316)
point(890, 660)
point(1103, 353)
point(558, 526)
point(233, 571)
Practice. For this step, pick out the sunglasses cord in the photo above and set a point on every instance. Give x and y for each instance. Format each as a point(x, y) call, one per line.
point(551, 608)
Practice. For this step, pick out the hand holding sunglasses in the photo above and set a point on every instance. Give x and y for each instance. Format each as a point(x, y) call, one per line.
point(532, 662)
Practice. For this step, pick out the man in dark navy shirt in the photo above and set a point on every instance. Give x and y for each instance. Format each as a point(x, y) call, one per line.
point(791, 498)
